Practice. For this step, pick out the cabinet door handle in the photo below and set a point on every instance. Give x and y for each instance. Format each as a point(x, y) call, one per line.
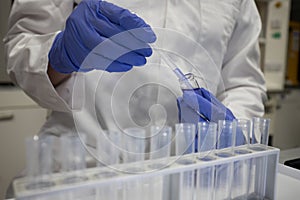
point(6, 115)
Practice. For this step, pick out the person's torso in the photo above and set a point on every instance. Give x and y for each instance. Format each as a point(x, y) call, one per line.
point(195, 31)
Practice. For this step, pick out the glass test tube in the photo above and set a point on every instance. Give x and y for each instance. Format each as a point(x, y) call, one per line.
point(241, 169)
point(108, 148)
point(226, 140)
point(244, 128)
point(108, 153)
point(184, 138)
point(260, 131)
point(226, 137)
point(260, 134)
point(39, 161)
point(185, 144)
point(160, 142)
point(207, 138)
point(160, 147)
point(72, 154)
point(134, 140)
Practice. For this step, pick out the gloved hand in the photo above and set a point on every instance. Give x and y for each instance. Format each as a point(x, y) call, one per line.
point(202, 101)
point(114, 39)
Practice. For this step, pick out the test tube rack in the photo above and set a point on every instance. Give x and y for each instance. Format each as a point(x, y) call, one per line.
point(166, 178)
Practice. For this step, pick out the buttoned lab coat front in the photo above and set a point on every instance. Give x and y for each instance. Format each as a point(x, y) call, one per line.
point(215, 39)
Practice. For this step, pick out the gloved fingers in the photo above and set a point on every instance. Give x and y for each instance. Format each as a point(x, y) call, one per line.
point(114, 13)
point(197, 91)
point(118, 67)
point(59, 58)
point(205, 107)
point(198, 103)
point(210, 97)
point(229, 115)
point(99, 62)
point(106, 48)
point(126, 39)
point(127, 20)
point(191, 99)
point(222, 111)
point(82, 47)
point(116, 52)
point(186, 114)
point(132, 58)
point(205, 94)
point(96, 27)
point(194, 104)
point(84, 37)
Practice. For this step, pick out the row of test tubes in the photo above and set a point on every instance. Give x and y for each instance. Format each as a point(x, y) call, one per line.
point(132, 146)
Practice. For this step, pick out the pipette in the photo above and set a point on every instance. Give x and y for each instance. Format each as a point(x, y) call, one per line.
point(175, 69)
point(180, 76)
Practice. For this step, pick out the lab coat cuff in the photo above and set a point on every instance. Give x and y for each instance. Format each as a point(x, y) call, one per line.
point(70, 91)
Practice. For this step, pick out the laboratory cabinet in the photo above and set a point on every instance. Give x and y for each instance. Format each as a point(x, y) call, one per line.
point(275, 15)
point(282, 105)
point(20, 117)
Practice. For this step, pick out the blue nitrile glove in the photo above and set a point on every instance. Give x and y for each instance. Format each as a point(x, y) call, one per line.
point(200, 100)
point(114, 39)
point(204, 102)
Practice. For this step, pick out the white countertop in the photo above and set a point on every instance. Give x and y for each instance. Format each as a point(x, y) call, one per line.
point(288, 183)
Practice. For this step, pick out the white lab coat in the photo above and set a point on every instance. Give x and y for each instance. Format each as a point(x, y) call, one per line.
point(89, 102)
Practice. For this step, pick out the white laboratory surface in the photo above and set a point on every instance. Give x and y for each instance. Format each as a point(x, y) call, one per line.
point(288, 183)
point(20, 117)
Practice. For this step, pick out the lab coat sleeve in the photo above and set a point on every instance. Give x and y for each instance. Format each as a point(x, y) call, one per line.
point(33, 25)
point(243, 82)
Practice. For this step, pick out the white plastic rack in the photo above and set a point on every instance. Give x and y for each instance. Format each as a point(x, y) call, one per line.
point(244, 172)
